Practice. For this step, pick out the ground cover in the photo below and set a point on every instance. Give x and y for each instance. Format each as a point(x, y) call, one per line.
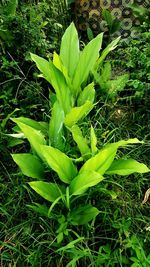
point(116, 232)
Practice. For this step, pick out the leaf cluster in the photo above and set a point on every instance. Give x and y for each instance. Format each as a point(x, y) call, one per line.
point(73, 99)
point(136, 60)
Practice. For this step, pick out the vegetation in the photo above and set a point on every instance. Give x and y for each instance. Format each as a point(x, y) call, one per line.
point(79, 133)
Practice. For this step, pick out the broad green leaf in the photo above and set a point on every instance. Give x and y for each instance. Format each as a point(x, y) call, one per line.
point(80, 140)
point(30, 165)
point(78, 113)
point(56, 78)
point(127, 167)
point(83, 181)
point(83, 215)
point(60, 237)
point(115, 26)
point(61, 88)
point(40, 126)
point(127, 142)
point(106, 72)
point(115, 86)
point(107, 17)
point(48, 191)
point(69, 50)
point(35, 137)
point(52, 98)
point(43, 65)
point(93, 141)
point(54, 204)
point(41, 209)
point(103, 160)
point(106, 51)
point(59, 65)
point(87, 60)
point(56, 126)
point(14, 142)
point(60, 163)
point(88, 93)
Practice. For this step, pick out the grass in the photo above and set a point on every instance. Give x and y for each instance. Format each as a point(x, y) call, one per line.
point(27, 239)
point(120, 234)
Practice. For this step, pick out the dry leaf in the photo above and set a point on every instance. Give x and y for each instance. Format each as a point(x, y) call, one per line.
point(146, 196)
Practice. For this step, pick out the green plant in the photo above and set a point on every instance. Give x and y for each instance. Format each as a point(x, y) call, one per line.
point(30, 23)
point(110, 87)
point(113, 23)
point(62, 73)
point(29, 26)
point(136, 60)
point(138, 255)
point(74, 175)
point(73, 181)
point(141, 12)
point(112, 26)
point(68, 74)
point(7, 12)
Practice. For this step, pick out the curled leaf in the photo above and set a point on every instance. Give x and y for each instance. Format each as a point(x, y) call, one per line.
point(146, 196)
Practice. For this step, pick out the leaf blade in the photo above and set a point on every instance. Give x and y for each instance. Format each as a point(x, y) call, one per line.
point(110, 47)
point(83, 181)
point(104, 158)
point(48, 191)
point(56, 126)
point(93, 141)
point(77, 113)
point(83, 215)
point(30, 165)
point(87, 60)
point(80, 140)
point(56, 78)
point(40, 126)
point(60, 163)
point(43, 65)
point(88, 94)
point(69, 50)
point(127, 167)
point(101, 161)
point(35, 137)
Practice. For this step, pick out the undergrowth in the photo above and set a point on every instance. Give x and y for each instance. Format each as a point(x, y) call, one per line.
point(120, 235)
